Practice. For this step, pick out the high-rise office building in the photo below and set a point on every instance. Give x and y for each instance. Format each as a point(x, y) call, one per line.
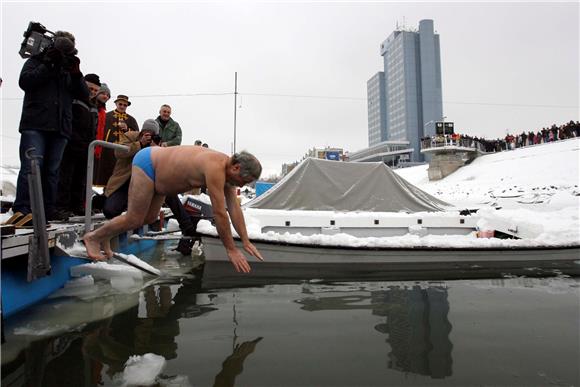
point(411, 98)
point(377, 109)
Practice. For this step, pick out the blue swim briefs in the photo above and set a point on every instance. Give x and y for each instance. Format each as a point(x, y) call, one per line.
point(143, 160)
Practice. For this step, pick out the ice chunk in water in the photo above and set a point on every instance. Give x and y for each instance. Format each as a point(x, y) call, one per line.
point(135, 261)
point(142, 370)
point(103, 270)
point(172, 225)
point(86, 280)
point(175, 381)
point(122, 283)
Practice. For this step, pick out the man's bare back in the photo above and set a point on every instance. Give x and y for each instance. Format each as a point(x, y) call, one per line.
point(180, 169)
point(159, 171)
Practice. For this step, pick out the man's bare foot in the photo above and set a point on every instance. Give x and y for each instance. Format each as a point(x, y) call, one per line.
point(93, 247)
point(107, 248)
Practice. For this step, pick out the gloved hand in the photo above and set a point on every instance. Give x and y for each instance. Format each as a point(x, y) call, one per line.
point(52, 55)
point(72, 65)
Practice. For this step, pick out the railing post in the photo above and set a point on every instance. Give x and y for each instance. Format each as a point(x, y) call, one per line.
point(90, 164)
point(38, 255)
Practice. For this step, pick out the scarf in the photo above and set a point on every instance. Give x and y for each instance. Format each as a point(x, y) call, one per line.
point(100, 130)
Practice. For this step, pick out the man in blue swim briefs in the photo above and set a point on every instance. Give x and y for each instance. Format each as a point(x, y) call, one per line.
point(160, 171)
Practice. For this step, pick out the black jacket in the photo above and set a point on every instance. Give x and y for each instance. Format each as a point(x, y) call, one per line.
point(48, 94)
point(84, 124)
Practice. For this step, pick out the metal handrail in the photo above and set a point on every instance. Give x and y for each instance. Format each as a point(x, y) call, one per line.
point(90, 164)
point(442, 142)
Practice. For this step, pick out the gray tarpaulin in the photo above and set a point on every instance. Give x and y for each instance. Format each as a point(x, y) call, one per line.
point(325, 185)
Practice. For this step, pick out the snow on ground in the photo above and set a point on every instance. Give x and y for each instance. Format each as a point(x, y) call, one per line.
point(8, 178)
point(541, 177)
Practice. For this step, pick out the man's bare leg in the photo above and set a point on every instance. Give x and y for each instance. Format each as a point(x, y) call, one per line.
point(141, 194)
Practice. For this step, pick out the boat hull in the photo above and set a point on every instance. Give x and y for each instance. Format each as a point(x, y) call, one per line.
point(284, 262)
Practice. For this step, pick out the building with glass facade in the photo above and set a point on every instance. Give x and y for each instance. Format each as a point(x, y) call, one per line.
point(377, 109)
point(412, 92)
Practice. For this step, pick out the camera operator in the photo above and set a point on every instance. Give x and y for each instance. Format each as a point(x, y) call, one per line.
point(50, 80)
point(117, 188)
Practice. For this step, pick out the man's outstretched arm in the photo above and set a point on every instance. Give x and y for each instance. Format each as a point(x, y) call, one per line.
point(215, 180)
point(237, 217)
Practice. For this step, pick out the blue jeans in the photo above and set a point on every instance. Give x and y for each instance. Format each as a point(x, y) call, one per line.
point(50, 147)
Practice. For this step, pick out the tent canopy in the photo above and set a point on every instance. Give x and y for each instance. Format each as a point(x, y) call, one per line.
point(323, 185)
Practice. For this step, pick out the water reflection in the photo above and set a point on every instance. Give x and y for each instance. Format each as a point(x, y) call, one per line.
point(234, 364)
point(416, 325)
point(127, 334)
point(101, 348)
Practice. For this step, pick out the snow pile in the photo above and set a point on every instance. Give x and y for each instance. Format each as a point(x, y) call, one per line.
point(142, 370)
point(544, 176)
point(8, 179)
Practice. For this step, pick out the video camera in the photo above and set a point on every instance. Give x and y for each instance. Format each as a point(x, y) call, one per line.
point(36, 40)
point(156, 139)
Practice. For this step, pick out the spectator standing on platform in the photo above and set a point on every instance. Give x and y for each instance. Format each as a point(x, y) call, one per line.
point(117, 122)
point(170, 133)
point(169, 130)
point(73, 168)
point(50, 80)
point(103, 97)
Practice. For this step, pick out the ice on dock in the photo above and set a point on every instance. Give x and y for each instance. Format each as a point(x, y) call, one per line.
point(142, 370)
point(104, 270)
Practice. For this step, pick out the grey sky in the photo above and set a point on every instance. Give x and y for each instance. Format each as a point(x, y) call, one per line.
point(504, 66)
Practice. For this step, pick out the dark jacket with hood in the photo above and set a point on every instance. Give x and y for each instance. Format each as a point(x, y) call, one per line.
point(49, 91)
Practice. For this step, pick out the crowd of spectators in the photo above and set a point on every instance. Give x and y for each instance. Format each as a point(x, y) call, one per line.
point(509, 142)
point(62, 113)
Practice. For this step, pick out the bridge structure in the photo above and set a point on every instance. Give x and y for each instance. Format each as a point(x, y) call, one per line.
point(449, 153)
point(388, 152)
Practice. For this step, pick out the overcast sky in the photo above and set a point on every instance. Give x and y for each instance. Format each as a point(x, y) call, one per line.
point(302, 68)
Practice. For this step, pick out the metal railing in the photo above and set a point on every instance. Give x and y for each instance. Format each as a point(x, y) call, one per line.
point(446, 141)
point(90, 165)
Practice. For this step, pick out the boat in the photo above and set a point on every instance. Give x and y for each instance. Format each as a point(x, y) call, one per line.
point(339, 221)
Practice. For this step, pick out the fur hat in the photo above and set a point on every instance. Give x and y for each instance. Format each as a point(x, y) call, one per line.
point(104, 89)
point(122, 97)
point(93, 78)
point(65, 42)
point(151, 125)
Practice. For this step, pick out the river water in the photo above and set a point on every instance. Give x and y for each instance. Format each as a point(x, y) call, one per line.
point(504, 331)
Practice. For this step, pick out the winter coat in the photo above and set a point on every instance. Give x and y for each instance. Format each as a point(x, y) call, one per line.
point(171, 133)
point(48, 94)
point(124, 164)
point(105, 165)
point(84, 124)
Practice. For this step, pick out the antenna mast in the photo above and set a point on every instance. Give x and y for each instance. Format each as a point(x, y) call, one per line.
point(235, 107)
